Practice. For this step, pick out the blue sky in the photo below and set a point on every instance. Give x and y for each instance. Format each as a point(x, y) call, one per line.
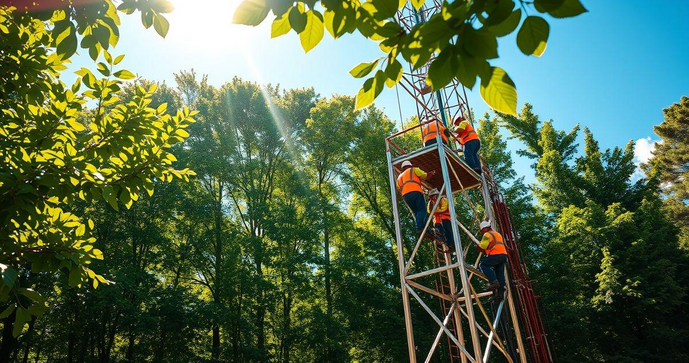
point(612, 69)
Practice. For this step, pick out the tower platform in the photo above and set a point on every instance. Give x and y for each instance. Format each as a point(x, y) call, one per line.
point(462, 177)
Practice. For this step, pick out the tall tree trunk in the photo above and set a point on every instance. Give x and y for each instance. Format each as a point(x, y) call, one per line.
point(130, 346)
point(328, 289)
point(261, 308)
point(215, 354)
point(287, 339)
point(237, 334)
point(29, 337)
point(9, 343)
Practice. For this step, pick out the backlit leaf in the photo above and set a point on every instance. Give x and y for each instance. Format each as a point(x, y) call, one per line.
point(363, 69)
point(250, 12)
point(280, 26)
point(533, 36)
point(313, 32)
point(499, 92)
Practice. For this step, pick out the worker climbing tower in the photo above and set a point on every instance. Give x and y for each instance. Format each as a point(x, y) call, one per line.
point(473, 328)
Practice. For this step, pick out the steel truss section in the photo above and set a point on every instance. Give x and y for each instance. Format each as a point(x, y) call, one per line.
point(446, 104)
point(471, 329)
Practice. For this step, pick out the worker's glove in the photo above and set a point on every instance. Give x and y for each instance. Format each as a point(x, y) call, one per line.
point(480, 249)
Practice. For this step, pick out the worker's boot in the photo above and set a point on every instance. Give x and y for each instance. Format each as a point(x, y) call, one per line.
point(498, 295)
point(478, 171)
point(493, 286)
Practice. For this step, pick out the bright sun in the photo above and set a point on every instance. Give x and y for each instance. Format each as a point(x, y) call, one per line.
point(204, 23)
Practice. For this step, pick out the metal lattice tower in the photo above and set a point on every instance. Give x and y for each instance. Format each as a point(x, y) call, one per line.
point(473, 328)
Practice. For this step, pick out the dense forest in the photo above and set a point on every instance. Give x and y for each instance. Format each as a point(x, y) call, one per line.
point(280, 248)
point(151, 222)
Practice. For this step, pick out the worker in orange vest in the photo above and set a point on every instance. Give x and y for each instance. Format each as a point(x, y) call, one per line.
point(441, 219)
point(470, 141)
point(430, 130)
point(409, 184)
point(493, 264)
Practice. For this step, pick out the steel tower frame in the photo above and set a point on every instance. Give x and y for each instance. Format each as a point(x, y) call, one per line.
point(457, 177)
point(466, 330)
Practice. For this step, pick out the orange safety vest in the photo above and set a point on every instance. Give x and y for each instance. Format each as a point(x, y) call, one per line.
point(429, 131)
point(467, 134)
point(409, 182)
point(496, 245)
point(438, 217)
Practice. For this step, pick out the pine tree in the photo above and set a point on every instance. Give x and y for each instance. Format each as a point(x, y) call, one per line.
point(670, 163)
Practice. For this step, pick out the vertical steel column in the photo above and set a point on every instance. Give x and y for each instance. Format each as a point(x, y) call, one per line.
point(475, 339)
point(487, 204)
point(400, 256)
point(496, 320)
point(515, 319)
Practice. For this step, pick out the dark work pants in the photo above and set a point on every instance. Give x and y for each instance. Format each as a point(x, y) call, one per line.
point(471, 153)
point(417, 204)
point(446, 227)
point(433, 141)
point(494, 268)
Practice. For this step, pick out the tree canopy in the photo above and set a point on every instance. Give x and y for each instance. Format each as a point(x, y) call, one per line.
point(458, 41)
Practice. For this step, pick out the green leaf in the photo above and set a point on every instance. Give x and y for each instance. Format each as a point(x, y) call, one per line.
point(75, 276)
point(5, 313)
point(394, 73)
point(103, 69)
point(386, 8)
point(313, 32)
point(280, 26)
point(124, 74)
point(9, 276)
point(507, 26)
point(568, 9)
point(297, 18)
point(250, 12)
point(161, 25)
point(363, 69)
point(481, 43)
point(547, 5)
point(441, 71)
point(499, 92)
point(68, 45)
point(118, 59)
point(533, 36)
point(371, 89)
point(499, 13)
point(33, 295)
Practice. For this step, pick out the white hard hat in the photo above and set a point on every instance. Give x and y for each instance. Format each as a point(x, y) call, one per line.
point(484, 224)
point(434, 191)
point(406, 164)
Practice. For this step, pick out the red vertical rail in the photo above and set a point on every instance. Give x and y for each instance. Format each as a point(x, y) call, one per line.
point(526, 299)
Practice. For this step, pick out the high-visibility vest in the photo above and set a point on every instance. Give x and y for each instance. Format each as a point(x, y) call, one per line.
point(409, 182)
point(429, 131)
point(496, 245)
point(440, 214)
point(467, 134)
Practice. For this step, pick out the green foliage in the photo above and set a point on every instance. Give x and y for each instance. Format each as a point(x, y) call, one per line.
point(533, 36)
point(457, 42)
point(669, 163)
point(610, 267)
point(55, 152)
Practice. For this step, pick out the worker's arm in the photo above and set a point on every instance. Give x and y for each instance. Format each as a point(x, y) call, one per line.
point(462, 125)
point(485, 241)
point(420, 173)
